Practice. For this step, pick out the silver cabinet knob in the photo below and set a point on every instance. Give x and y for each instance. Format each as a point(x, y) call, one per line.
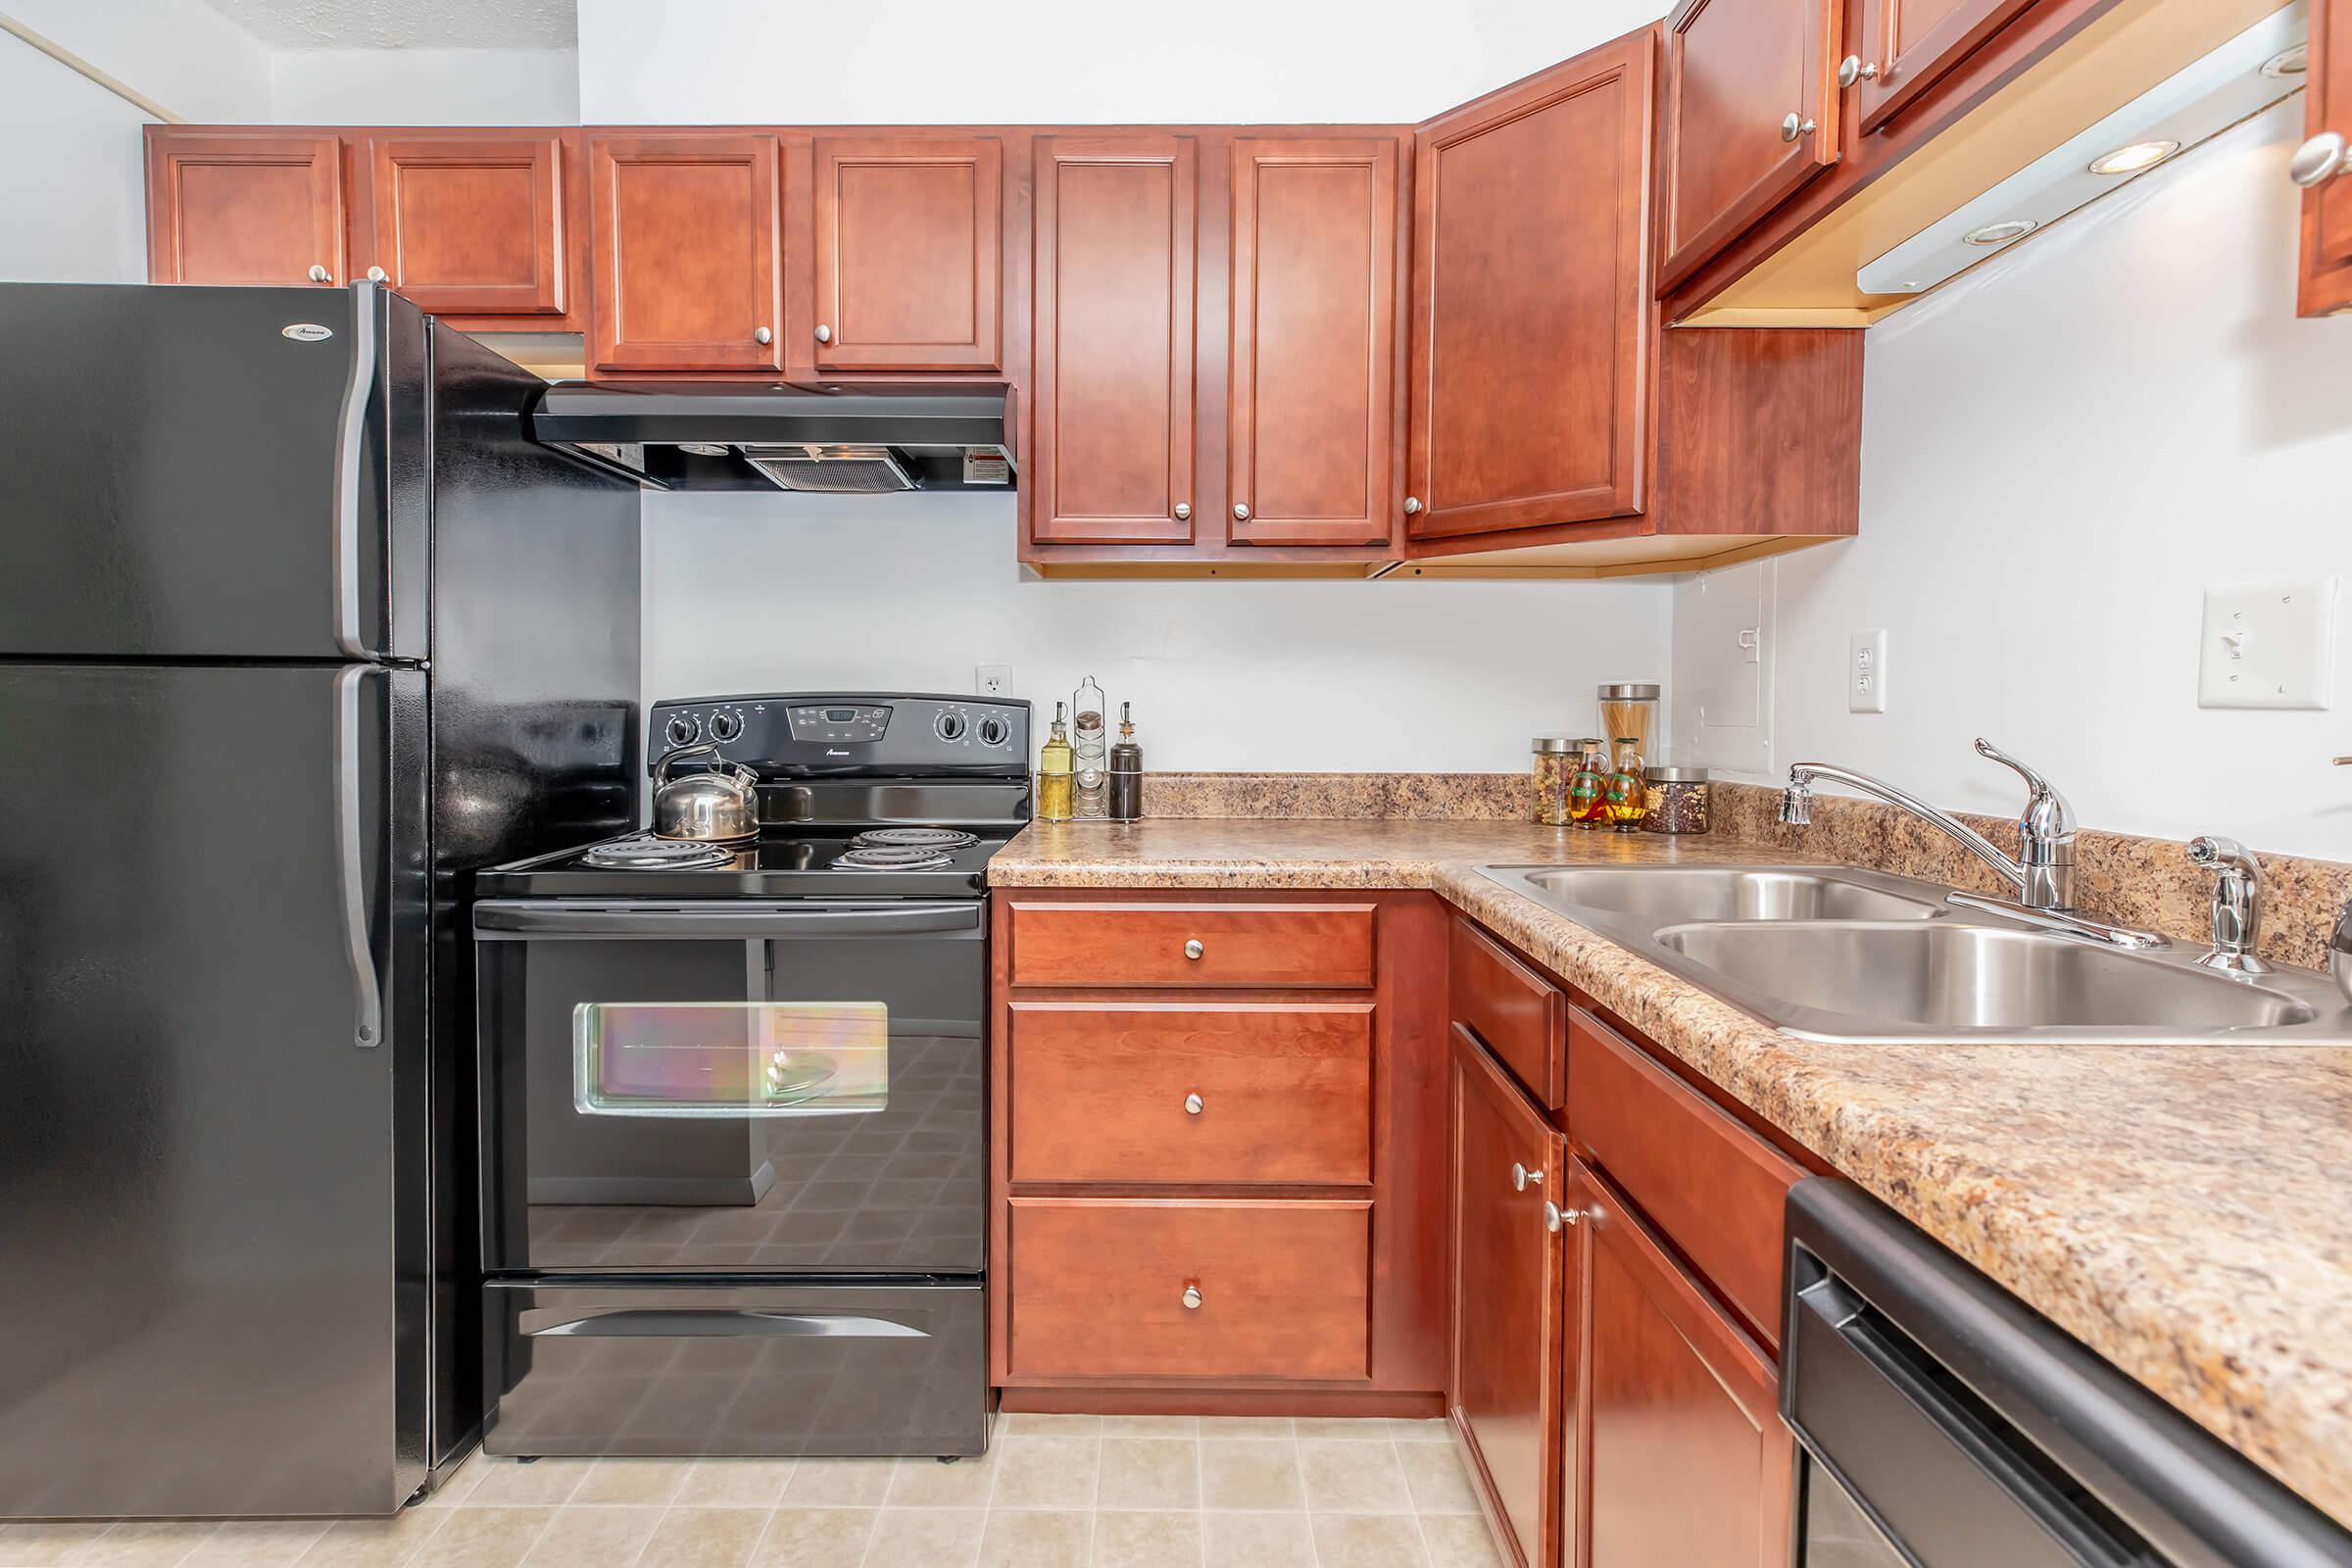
point(1193, 1105)
point(1853, 69)
point(762, 337)
point(2318, 161)
point(319, 275)
point(1556, 1218)
point(1241, 512)
point(1792, 128)
point(376, 274)
point(1413, 505)
point(1184, 511)
point(1191, 1297)
point(825, 333)
point(1522, 1178)
point(1193, 948)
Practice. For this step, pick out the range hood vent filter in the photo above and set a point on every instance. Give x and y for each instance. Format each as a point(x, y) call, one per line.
point(834, 471)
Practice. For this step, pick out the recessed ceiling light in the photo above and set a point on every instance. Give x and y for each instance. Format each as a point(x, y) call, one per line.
point(2001, 233)
point(2288, 61)
point(2131, 159)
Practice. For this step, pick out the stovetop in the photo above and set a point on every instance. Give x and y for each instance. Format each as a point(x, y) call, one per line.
point(782, 862)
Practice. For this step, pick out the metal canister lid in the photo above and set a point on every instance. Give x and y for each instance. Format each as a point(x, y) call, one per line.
point(1632, 691)
point(1675, 775)
point(1558, 745)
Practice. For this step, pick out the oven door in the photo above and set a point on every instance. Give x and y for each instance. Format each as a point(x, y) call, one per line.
point(728, 1086)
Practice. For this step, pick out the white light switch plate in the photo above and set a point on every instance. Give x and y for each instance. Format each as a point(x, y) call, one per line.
point(2269, 645)
point(1866, 671)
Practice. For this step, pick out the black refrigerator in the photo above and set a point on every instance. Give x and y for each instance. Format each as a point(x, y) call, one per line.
point(297, 630)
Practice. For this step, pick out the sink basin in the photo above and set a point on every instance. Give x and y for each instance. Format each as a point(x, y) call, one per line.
point(1965, 978)
point(1671, 895)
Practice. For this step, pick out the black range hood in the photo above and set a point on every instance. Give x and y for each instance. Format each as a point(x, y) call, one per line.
point(859, 440)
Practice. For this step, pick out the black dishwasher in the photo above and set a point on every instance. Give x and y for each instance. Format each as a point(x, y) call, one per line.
point(1941, 1423)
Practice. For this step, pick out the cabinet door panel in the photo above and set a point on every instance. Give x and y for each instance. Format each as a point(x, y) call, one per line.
point(1511, 1293)
point(1113, 341)
point(469, 224)
point(1736, 70)
point(1686, 1460)
point(685, 252)
point(1314, 341)
point(907, 239)
point(1530, 306)
point(244, 209)
point(2326, 284)
point(1912, 43)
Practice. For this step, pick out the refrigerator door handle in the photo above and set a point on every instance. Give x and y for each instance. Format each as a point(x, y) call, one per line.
point(352, 871)
point(350, 440)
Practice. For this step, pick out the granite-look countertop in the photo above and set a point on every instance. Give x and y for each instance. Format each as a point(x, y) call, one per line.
point(2185, 1212)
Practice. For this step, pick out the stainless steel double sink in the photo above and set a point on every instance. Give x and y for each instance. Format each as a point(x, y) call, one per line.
point(1830, 954)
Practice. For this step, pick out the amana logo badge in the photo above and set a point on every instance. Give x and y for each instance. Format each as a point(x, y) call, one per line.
point(307, 333)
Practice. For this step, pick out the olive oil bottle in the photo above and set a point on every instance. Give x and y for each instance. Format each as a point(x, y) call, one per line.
point(1054, 778)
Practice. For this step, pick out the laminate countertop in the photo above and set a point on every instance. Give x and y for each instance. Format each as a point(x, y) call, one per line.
point(2185, 1212)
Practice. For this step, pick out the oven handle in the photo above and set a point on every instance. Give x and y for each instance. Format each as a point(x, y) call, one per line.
point(510, 919)
point(628, 1323)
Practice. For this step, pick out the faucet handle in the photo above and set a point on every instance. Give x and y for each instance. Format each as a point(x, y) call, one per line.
point(2047, 817)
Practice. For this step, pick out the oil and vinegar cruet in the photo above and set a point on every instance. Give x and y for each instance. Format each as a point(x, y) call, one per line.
point(1053, 773)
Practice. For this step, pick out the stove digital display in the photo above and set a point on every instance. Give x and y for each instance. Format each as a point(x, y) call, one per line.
point(855, 724)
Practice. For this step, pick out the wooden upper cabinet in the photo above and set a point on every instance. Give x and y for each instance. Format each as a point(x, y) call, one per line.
point(1112, 371)
point(1313, 398)
point(1531, 304)
point(1513, 1292)
point(1686, 1461)
point(1751, 106)
point(686, 253)
point(244, 209)
point(909, 240)
point(1908, 45)
point(2326, 279)
point(469, 224)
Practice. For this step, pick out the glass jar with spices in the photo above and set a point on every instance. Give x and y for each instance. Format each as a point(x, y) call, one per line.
point(1589, 786)
point(1679, 800)
point(1628, 795)
point(1556, 758)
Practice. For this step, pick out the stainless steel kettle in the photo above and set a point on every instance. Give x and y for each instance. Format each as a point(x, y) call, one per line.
point(712, 806)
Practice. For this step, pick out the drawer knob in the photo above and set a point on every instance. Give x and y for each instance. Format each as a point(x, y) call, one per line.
point(1193, 948)
point(319, 275)
point(1193, 1105)
point(1555, 1217)
point(762, 337)
point(1191, 1297)
point(1522, 1178)
point(825, 333)
point(1794, 126)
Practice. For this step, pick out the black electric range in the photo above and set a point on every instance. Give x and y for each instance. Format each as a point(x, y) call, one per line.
point(734, 1096)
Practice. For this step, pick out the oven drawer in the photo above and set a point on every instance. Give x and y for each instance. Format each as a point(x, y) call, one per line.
point(1321, 945)
point(1201, 1094)
point(732, 1370)
point(1191, 1288)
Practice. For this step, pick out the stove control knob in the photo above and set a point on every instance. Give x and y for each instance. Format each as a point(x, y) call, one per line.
point(725, 726)
point(682, 729)
point(951, 725)
point(993, 731)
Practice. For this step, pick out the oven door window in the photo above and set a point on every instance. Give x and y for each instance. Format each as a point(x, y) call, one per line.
point(730, 1059)
point(1837, 1532)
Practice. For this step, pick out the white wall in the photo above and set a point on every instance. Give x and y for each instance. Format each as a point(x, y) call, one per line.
point(2059, 455)
point(182, 52)
point(71, 176)
point(756, 593)
point(926, 62)
point(424, 87)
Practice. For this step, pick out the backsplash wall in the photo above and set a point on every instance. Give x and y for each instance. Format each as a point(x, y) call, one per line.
point(750, 592)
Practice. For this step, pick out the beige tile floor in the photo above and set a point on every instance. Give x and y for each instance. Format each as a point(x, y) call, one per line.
point(1053, 1491)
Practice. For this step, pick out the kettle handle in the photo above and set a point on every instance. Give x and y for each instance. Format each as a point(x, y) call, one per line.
point(661, 769)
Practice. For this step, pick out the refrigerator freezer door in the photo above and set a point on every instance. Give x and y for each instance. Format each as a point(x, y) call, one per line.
point(214, 1272)
point(211, 472)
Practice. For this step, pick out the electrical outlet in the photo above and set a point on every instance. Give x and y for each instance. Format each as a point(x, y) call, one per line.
point(1866, 671)
point(992, 681)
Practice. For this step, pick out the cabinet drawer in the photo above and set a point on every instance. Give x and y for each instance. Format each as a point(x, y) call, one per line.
point(1100, 1286)
point(1221, 1092)
point(1712, 1186)
point(1328, 944)
point(1515, 1013)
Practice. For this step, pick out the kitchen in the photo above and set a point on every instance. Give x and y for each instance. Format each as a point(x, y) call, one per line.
point(1508, 1192)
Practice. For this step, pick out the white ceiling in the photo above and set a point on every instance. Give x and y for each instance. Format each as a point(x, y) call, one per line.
point(407, 24)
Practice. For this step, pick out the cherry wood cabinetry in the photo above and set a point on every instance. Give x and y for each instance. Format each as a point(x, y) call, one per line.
point(687, 252)
point(2325, 274)
point(1218, 1190)
point(481, 226)
point(244, 207)
point(1312, 387)
point(1513, 1292)
point(907, 239)
point(1531, 315)
point(1751, 114)
point(1114, 380)
point(1907, 46)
